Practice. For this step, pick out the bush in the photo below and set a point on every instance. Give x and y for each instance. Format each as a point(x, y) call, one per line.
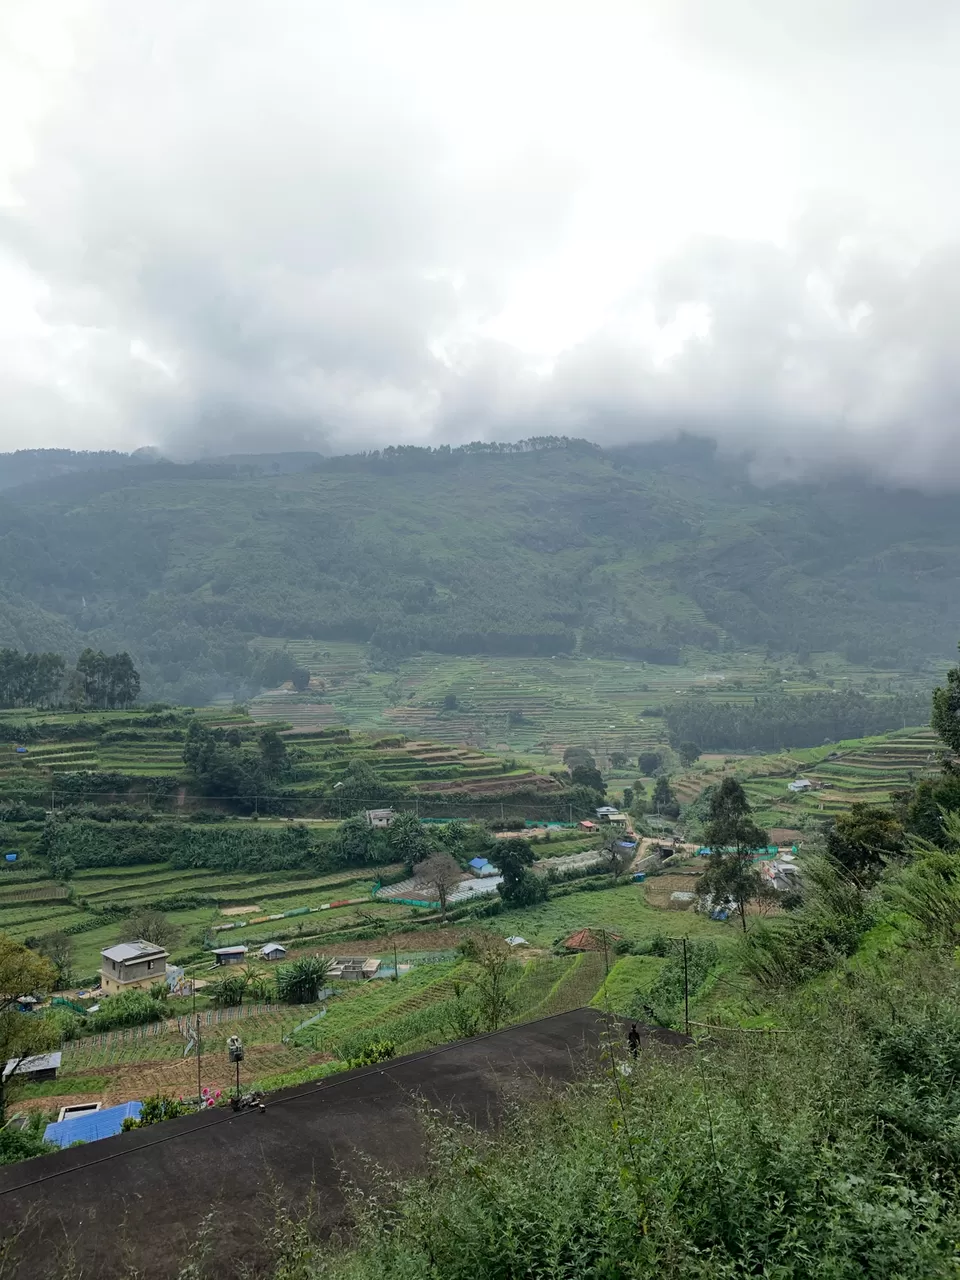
point(158, 1107)
point(129, 1009)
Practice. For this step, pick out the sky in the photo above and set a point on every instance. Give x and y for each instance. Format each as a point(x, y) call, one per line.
point(231, 225)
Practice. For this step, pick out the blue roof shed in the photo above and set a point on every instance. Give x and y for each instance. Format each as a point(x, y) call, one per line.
point(91, 1127)
point(477, 863)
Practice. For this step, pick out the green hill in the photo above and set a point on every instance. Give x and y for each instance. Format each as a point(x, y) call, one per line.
point(515, 551)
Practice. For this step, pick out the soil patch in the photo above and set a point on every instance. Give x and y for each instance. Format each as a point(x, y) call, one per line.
point(240, 911)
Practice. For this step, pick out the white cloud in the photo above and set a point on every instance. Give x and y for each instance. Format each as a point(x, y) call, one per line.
point(248, 224)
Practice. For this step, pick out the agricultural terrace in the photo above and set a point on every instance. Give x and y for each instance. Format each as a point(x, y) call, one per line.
point(860, 770)
point(138, 757)
point(537, 706)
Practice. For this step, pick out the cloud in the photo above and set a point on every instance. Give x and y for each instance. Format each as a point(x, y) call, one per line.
point(246, 225)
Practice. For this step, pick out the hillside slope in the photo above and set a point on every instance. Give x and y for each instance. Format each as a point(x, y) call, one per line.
point(489, 549)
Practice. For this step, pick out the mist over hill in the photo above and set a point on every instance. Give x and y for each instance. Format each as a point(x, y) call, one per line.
point(550, 546)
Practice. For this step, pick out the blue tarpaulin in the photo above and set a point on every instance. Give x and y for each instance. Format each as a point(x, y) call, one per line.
point(91, 1127)
point(10, 857)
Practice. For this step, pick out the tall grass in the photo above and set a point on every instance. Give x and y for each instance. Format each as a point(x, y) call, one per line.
point(831, 1153)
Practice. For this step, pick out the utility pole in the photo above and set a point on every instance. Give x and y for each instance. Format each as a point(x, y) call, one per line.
point(686, 991)
point(396, 967)
point(199, 1072)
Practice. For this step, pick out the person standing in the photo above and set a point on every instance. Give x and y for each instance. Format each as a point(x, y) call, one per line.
point(633, 1040)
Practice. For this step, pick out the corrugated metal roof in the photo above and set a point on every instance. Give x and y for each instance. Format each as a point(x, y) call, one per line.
point(92, 1127)
point(132, 950)
point(39, 1062)
point(231, 951)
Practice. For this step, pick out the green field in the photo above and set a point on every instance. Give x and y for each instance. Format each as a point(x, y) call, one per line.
point(623, 910)
point(131, 887)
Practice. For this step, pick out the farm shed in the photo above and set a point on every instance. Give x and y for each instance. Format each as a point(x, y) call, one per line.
point(587, 825)
point(800, 784)
point(92, 1126)
point(273, 951)
point(41, 1066)
point(230, 955)
point(379, 817)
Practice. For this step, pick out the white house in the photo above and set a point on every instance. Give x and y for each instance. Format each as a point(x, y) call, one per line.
point(800, 784)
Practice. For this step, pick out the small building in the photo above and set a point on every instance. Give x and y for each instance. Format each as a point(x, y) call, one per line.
point(586, 825)
point(230, 955)
point(604, 811)
point(273, 951)
point(481, 867)
point(354, 968)
point(589, 940)
point(27, 1004)
point(132, 965)
point(517, 941)
point(800, 784)
point(91, 1125)
point(40, 1066)
point(379, 817)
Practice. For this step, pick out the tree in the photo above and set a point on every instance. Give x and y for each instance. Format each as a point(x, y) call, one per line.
point(301, 981)
point(664, 801)
point(688, 753)
point(58, 949)
point(493, 958)
point(228, 990)
point(150, 925)
point(617, 857)
point(22, 973)
point(618, 759)
point(442, 875)
point(573, 756)
point(588, 776)
point(946, 711)
point(451, 702)
point(864, 839)
point(407, 839)
point(520, 887)
point(627, 798)
point(300, 679)
point(733, 837)
point(273, 752)
point(649, 762)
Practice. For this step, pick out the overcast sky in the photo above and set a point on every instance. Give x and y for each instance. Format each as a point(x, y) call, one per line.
point(230, 224)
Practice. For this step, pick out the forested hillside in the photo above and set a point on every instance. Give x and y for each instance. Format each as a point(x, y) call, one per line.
point(549, 547)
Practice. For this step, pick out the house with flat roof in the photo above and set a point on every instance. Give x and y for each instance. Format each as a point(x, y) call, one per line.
point(230, 955)
point(130, 966)
point(353, 968)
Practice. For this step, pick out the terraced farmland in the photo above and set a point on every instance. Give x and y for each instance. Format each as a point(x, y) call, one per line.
point(864, 770)
point(532, 705)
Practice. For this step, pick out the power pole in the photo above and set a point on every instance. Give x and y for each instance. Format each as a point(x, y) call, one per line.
point(686, 992)
point(199, 1073)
